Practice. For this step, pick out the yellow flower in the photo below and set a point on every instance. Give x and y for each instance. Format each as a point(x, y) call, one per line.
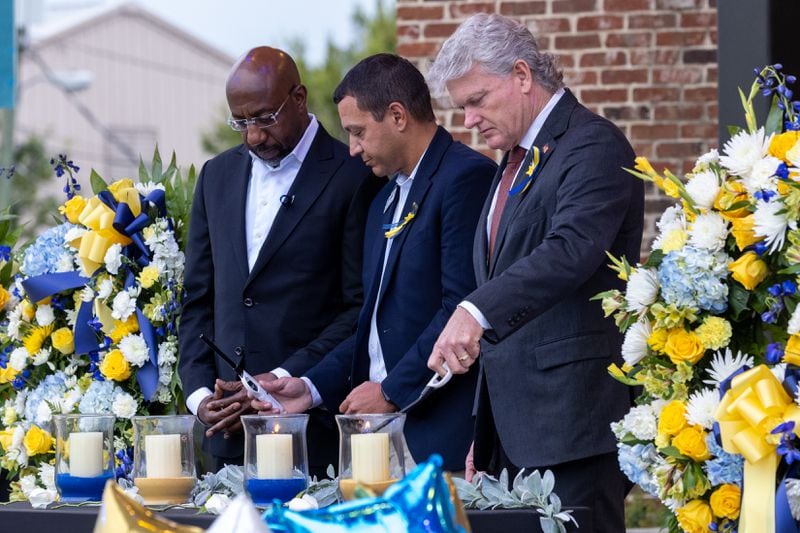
point(672, 418)
point(5, 296)
point(714, 333)
point(782, 143)
point(9, 416)
point(115, 366)
point(725, 501)
point(28, 310)
point(63, 340)
point(791, 354)
point(8, 374)
point(148, 276)
point(749, 270)
point(671, 188)
point(118, 186)
point(644, 166)
point(691, 442)
point(72, 208)
point(38, 441)
point(33, 342)
point(657, 339)
point(122, 329)
point(694, 517)
point(683, 346)
point(732, 193)
point(6, 438)
point(674, 240)
point(742, 230)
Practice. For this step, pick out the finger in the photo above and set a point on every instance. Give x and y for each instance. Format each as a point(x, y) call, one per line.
point(473, 349)
point(229, 386)
point(435, 362)
point(258, 405)
point(225, 423)
point(345, 405)
point(222, 403)
point(222, 418)
point(455, 364)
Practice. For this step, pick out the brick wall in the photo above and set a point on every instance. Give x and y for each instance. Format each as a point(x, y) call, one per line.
point(650, 66)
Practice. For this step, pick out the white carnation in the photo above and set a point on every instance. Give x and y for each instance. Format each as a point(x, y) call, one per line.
point(673, 218)
point(113, 259)
point(104, 289)
point(701, 408)
point(167, 353)
point(87, 294)
point(634, 347)
point(41, 498)
point(14, 319)
point(65, 263)
point(124, 405)
point(45, 315)
point(124, 306)
point(303, 503)
point(47, 475)
point(217, 503)
point(703, 188)
point(27, 484)
point(642, 289)
point(793, 495)
point(709, 231)
point(19, 359)
point(640, 422)
point(73, 233)
point(134, 349)
point(793, 327)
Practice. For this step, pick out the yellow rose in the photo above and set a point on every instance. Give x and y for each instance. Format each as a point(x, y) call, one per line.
point(691, 442)
point(674, 240)
point(657, 339)
point(122, 329)
point(742, 230)
point(63, 340)
point(6, 438)
point(28, 310)
point(37, 441)
point(118, 186)
point(749, 270)
point(725, 501)
point(8, 374)
point(694, 517)
point(732, 193)
point(672, 418)
point(791, 354)
point(34, 340)
point(714, 333)
point(72, 208)
point(782, 143)
point(683, 346)
point(148, 276)
point(5, 296)
point(115, 366)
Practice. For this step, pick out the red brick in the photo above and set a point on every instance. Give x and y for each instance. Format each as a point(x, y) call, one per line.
point(701, 130)
point(602, 22)
point(656, 94)
point(677, 75)
point(654, 131)
point(711, 110)
point(678, 112)
point(700, 94)
point(655, 57)
point(701, 55)
point(410, 31)
point(603, 59)
point(418, 12)
point(662, 20)
point(565, 60)
point(417, 49)
point(703, 20)
point(522, 8)
point(627, 5)
point(643, 149)
point(570, 42)
point(457, 117)
point(713, 36)
point(670, 5)
point(440, 30)
point(629, 40)
point(679, 149)
point(603, 96)
point(581, 77)
point(463, 136)
point(712, 74)
point(573, 6)
point(464, 10)
point(682, 38)
point(539, 25)
point(624, 76)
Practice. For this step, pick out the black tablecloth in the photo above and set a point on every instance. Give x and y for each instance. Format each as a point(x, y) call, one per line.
point(19, 517)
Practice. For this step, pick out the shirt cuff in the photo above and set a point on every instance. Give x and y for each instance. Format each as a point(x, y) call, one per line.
point(281, 373)
point(196, 398)
point(316, 397)
point(476, 314)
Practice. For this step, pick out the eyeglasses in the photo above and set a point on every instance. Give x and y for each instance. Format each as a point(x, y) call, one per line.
point(264, 121)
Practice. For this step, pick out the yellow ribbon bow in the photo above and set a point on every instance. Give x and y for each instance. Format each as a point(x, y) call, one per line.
point(755, 404)
point(94, 244)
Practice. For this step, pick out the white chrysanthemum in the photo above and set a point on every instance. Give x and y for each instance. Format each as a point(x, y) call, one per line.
point(41, 357)
point(701, 407)
point(19, 358)
point(709, 158)
point(123, 306)
point(634, 347)
point(770, 221)
point(87, 294)
point(71, 399)
point(43, 414)
point(104, 289)
point(124, 405)
point(793, 328)
point(743, 151)
point(723, 365)
point(134, 349)
point(47, 475)
point(642, 289)
point(709, 231)
point(27, 484)
point(14, 319)
point(673, 218)
point(45, 315)
point(72, 315)
point(703, 188)
point(793, 495)
point(113, 259)
point(762, 176)
point(146, 188)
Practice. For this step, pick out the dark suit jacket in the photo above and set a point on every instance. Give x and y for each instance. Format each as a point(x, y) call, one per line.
point(303, 295)
point(427, 274)
point(545, 359)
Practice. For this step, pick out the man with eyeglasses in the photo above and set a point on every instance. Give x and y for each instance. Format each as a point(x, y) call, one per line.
point(273, 268)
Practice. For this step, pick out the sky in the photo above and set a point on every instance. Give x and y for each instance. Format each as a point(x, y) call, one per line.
point(235, 26)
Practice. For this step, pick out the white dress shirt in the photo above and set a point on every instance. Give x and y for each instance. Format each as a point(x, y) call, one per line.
point(266, 187)
point(527, 143)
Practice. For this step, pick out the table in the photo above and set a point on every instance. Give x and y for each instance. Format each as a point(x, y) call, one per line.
point(20, 516)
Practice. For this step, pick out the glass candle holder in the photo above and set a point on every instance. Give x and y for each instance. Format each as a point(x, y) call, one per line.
point(163, 458)
point(84, 456)
point(371, 452)
point(275, 456)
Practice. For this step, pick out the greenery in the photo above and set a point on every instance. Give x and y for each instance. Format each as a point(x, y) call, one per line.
point(31, 172)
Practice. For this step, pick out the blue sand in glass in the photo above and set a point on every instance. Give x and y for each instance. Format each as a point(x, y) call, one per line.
point(263, 491)
point(81, 489)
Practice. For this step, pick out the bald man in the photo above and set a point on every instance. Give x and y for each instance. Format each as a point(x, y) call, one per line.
point(274, 253)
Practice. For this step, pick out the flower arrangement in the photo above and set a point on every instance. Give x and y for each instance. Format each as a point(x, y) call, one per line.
point(712, 331)
point(90, 322)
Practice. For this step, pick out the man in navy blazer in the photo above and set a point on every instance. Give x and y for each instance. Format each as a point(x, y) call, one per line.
point(544, 397)
point(273, 268)
point(417, 262)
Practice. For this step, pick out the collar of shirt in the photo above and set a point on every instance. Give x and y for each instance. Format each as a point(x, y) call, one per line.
point(300, 151)
point(404, 183)
point(538, 122)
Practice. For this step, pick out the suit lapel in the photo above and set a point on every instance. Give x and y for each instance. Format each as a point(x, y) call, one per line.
point(312, 178)
point(239, 178)
point(480, 247)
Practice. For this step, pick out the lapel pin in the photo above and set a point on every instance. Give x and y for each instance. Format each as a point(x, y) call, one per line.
point(545, 148)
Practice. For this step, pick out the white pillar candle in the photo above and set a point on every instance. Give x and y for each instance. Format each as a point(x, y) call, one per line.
point(163, 455)
point(86, 453)
point(370, 457)
point(274, 459)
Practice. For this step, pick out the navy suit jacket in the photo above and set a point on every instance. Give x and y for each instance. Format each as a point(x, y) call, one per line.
point(546, 390)
point(304, 292)
point(427, 274)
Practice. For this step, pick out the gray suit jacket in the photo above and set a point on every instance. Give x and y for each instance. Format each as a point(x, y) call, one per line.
point(544, 362)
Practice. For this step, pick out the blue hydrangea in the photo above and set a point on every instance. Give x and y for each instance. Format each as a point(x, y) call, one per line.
point(635, 462)
point(52, 388)
point(694, 277)
point(45, 254)
point(98, 398)
point(724, 467)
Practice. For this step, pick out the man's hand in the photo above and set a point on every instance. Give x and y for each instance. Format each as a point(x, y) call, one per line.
point(291, 392)
point(222, 412)
point(459, 344)
point(469, 464)
point(365, 399)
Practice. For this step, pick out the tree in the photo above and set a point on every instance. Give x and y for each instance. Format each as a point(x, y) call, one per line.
point(31, 171)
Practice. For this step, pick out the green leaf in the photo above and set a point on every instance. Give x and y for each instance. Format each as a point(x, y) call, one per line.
point(733, 130)
point(672, 451)
point(774, 122)
point(98, 183)
point(737, 299)
point(654, 259)
point(790, 305)
point(143, 176)
point(794, 269)
point(156, 167)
